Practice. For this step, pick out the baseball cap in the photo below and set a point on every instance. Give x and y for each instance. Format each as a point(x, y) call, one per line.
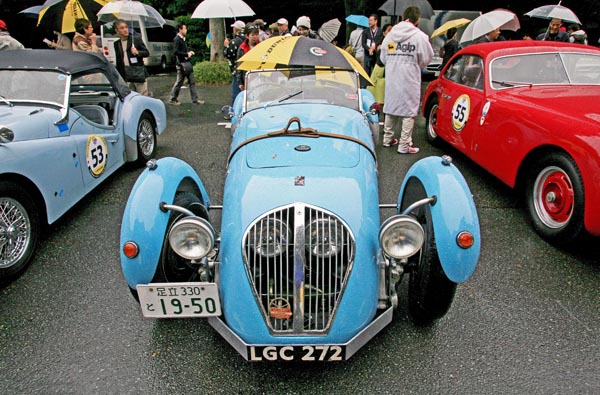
point(259, 22)
point(3, 25)
point(282, 21)
point(303, 21)
point(239, 25)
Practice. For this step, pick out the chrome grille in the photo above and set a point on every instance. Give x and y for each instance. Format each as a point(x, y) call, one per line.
point(298, 259)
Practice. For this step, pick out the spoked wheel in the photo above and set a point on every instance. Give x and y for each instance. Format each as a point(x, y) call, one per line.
point(146, 138)
point(430, 292)
point(554, 196)
point(19, 229)
point(431, 121)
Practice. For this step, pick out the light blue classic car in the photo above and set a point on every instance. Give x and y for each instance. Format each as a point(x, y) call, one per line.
point(302, 268)
point(67, 121)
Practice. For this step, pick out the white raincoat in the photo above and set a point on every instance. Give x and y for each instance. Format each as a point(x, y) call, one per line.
point(405, 51)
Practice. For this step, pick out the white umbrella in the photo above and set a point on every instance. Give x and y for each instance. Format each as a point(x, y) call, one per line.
point(488, 22)
point(554, 11)
point(32, 12)
point(128, 10)
point(397, 7)
point(222, 9)
point(329, 30)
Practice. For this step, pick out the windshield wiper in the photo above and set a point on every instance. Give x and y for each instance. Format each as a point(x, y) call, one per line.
point(512, 83)
point(283, 98)
point(6, 101)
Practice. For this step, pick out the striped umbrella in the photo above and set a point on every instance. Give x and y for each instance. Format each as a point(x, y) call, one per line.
point(282, 51)
point(60, 15)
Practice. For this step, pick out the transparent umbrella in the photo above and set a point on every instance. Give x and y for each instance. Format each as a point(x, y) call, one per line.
point(330, 29)
point(222, 9)
point(554, 11)
point(397, 7)
point(488, 22)
point(128, 10)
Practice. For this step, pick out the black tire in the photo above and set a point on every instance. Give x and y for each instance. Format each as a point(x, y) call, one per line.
point(431, 121)
point(554, 197)
point(146, 138)
point(430, 291)
point(172, 267)
point(19, 229)
point(163, 63)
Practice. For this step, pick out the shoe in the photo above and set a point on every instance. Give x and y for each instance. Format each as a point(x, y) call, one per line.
point(391, 143)
point(409, 150)
point(174, 102)
point(198, 102)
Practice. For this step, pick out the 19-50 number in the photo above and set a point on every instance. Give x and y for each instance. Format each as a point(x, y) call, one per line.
point(199, 306)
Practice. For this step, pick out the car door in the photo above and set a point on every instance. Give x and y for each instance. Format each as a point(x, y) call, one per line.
point(461, 101)
point(94, 112)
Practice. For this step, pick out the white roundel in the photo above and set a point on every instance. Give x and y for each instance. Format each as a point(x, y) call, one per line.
point(460, 112)
point(96, 155)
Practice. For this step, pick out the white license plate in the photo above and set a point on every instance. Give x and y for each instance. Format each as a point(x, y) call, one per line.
point(177, 300)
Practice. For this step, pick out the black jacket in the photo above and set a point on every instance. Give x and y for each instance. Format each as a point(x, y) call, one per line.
point(180, 49)
point(139, 45)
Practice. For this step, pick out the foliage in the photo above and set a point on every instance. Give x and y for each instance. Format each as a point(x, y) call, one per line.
point(212, 73)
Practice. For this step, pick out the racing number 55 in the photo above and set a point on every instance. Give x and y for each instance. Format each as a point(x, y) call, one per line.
point(460, 112)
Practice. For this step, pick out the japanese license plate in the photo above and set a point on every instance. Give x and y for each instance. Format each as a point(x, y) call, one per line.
point(177, 300)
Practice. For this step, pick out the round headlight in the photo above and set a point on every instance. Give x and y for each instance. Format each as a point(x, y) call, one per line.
point(192, 238)
point(401, 236)
point(270, 238)
point(324, 237)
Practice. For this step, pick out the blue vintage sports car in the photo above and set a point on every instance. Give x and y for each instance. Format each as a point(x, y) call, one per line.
point(302, 268)
point(67, 121)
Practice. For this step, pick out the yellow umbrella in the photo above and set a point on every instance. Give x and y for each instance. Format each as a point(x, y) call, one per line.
point(282, 51)
point(60, 15)
point(449, 25)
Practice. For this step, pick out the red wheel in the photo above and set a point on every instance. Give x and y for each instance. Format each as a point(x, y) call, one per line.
point(554, 197)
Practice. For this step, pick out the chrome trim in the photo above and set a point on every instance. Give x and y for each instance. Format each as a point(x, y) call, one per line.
point(298, 292)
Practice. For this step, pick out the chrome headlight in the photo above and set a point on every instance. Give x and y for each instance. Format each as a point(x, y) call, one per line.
point(270, 237)
point(324, 237)
point(192, 237)
point(401, 236)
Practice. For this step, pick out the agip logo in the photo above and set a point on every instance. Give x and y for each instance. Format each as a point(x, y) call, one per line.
point(318, 51)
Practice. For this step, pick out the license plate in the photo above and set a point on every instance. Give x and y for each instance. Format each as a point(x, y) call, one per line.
point(177, 300)
point(308, 353)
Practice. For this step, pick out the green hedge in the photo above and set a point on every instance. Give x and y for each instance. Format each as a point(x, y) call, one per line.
point(212, 73)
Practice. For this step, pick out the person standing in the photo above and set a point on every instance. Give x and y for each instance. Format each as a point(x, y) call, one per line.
point(282, 26)
point(405, 51)
point(356, 42)
point(6, 41)
point(63, 42)
point(250, 42)
point(450, 46)
point(130, 52)
point(553, 33)
point(492, 36)
point(263, 34)
point(230, 52)
point(85, 38)
point(183, 55)
point(303, 26)
point(371, 36)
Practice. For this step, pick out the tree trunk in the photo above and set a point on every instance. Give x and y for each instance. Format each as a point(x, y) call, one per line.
point(217, 36)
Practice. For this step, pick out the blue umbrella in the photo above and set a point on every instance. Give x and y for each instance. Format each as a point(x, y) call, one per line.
point(359, 20)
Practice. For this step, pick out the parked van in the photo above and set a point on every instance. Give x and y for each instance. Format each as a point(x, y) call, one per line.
point(159, 41)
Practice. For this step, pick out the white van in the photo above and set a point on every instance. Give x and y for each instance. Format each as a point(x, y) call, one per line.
point(159, 41)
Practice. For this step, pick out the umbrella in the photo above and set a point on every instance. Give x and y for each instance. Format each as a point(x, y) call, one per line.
point(359, 20)
point(283, 51)
point(488, 22)
point(329, 30)
point(32, 12)
point(554, 11)
point(397, 7)
point(128, 9)
point(449, 25)
point(222, 9)
point(60, 15)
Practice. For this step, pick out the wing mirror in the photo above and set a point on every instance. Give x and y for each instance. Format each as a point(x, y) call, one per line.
point(6, 135)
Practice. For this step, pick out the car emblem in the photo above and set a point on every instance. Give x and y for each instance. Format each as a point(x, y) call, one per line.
point(280, 309)
point(299, 181)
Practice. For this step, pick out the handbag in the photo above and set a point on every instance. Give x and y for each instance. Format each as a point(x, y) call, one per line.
point(135, 74)
point(186, 67)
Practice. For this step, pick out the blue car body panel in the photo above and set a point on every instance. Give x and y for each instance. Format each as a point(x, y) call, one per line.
point(452, 213)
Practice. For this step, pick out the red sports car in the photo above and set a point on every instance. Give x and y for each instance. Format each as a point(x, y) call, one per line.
point(528, 112)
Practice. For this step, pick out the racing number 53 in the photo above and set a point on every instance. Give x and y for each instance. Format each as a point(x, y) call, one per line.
point(96, 154)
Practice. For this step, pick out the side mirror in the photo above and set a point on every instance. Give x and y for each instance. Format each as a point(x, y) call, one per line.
point(6, 135)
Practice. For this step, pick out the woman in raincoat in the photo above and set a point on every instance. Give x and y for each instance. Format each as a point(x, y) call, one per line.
point(404, 52)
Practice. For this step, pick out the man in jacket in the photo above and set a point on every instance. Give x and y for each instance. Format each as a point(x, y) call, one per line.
point(130, 52)
point(230, 52)
point(6, 41)
point(404, 51)
point(183, 54)
point(553, 33)
point(250, 42)
point(371, 36)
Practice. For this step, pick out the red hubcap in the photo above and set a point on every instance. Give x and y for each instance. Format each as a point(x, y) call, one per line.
point(557, 196)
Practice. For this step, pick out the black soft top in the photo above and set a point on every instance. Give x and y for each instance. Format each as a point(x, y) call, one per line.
point(68, 62)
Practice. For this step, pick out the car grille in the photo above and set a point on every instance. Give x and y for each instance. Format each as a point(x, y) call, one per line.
point(298, 258)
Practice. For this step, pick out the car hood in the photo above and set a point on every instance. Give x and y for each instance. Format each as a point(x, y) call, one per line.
point(28, 122)
point(286, 151)
point(578, 102)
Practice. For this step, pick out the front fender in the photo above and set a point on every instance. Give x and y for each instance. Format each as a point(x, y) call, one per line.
point(143, 221)
point(453, 212)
